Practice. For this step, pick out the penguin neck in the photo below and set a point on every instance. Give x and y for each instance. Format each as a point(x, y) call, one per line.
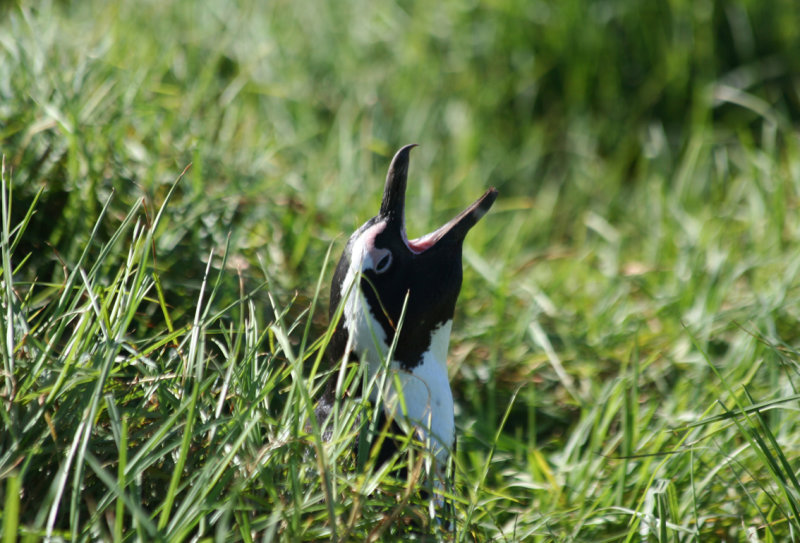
point(421, 396)
point(427, 400)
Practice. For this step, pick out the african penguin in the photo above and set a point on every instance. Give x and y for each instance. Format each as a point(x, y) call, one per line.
point(379, 272)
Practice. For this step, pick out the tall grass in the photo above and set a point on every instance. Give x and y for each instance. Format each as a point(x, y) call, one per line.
point(178, 178)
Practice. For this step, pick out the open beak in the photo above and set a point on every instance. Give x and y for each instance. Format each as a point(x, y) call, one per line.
point(394, 202)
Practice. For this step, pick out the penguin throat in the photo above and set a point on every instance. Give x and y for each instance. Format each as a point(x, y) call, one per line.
point(421, 244)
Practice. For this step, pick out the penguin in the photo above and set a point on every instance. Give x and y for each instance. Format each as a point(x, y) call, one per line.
point(381, 276)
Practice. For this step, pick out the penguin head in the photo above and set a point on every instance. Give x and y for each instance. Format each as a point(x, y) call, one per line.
point(380, 267)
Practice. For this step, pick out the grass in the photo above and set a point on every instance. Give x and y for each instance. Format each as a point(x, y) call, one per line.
point(179, 179)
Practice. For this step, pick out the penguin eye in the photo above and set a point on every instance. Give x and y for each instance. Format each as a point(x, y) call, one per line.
point(384, 263)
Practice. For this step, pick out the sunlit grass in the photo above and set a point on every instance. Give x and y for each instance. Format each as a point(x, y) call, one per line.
point(179, 180)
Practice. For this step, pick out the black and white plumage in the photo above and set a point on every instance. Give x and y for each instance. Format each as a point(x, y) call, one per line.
point(379, 267)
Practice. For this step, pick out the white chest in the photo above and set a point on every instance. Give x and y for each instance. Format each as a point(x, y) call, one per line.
point(422, 396)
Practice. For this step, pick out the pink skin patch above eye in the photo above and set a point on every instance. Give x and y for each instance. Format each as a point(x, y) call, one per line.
point(375, 254)
point(371, 233)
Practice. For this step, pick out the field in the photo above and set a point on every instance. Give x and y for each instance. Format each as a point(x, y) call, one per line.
point(179, 179)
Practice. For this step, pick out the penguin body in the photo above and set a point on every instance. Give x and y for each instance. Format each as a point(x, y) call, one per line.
point(383, 275)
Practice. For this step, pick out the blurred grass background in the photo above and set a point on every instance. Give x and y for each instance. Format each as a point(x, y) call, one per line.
point(636, 281)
